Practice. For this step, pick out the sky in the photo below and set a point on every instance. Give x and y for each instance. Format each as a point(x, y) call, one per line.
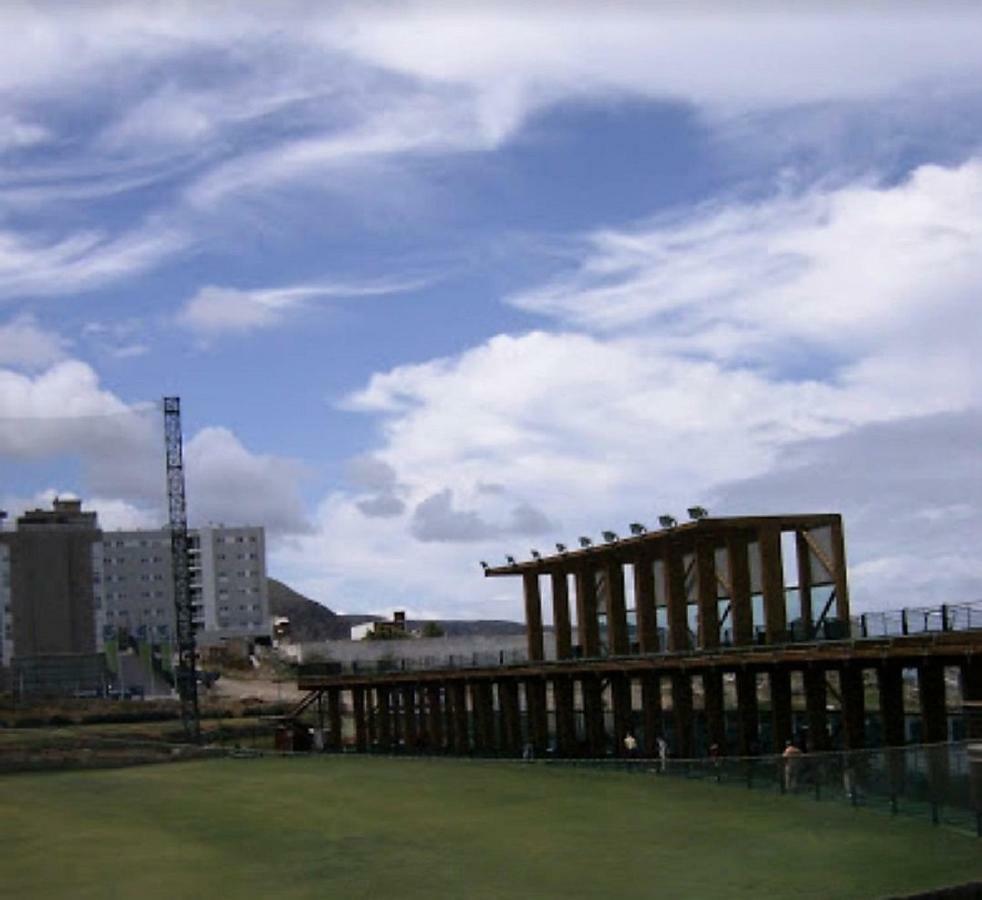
point(438, 283)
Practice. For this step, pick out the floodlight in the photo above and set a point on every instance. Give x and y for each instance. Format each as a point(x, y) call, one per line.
point(667, 521)
point(484, 565)
point(610, 536)
point(698, 512)
point(560, 548)
point(637, 528)
point(536, 554)
point(511, 560)
point(586, 542)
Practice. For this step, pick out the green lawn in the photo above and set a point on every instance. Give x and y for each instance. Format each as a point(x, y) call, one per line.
point(373, 828)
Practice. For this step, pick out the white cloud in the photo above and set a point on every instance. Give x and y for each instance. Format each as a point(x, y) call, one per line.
point(25, 345)
point(215, 310)
point(16, 134)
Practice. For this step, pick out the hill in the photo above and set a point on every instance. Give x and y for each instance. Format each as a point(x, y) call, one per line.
point(312, 621)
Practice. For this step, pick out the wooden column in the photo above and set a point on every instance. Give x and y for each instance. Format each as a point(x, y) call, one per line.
point(934, 713)
point(712, 691)
point(741, 610)
point(586, 612)
point(334, 718)
point(461, 729)
point(560, 615)
point(853, 706)
point(511, 719)
point(682, 713)
point(593, 714)
point(651, 711)
point(370, 704)
point(678, 623)
point(890, 680)
point(620, 694)
point(816, 698)
point(409, 721)
point(839, 570)
point(803, 553)
point(616, 611)
point(772, 584)
point(971, 677)
point(434, 718)
point(747, 715)
point(781, 721)
point(533, 616)
point(480, 719)
point(644, 604)
point(383, 716)
point(562, 692)
point(535, 701)
point(708, 606)
point(358, 712)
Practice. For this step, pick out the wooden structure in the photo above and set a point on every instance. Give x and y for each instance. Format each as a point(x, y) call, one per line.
point(709, 654)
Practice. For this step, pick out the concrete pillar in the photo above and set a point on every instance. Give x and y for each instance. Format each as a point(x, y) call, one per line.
point(461, 729)
point(383, 716)
point(803, 554)
point(409, 721)
point(358, 712)
point(586, 612)
point(853, 706)
point(839, 570)
point(593, 714)
point(712, 692)
point(651, 710)
point(616, 611)
point(772, 584)
point(535, 701)
point(511, 719)
point(334, 719)
point(816, 699)
point(890, 680)
point(682, 714)
point(741, 611)
point(678, 623)
point(434, 718)
point(781, 721)
point(708, 606)
point(747, 716)
point(533, 616)
point(560, 615)
point(644, 604)
point(562, 692)
point(620, 694)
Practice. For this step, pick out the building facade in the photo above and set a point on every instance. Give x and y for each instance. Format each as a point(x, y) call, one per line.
point(228, 583)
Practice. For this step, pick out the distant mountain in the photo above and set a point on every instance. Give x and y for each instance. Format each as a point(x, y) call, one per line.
point(312, 621)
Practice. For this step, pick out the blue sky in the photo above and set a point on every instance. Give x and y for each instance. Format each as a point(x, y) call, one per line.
point(440, 283)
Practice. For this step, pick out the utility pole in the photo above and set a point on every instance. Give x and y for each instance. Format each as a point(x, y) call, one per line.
point(187, 677)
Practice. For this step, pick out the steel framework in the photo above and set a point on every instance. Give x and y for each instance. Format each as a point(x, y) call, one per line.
point(187, 677)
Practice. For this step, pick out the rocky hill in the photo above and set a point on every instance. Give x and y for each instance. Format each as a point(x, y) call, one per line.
point(312, 621)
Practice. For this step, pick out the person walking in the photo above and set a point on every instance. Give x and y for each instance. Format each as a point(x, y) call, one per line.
point(792, 762)
point(662, 746)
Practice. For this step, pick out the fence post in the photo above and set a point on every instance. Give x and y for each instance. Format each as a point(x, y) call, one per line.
point(944, 617)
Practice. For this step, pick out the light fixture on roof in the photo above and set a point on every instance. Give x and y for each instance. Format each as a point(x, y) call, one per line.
point(698, 512)
point(585, 542)
point(560, 548)
point(511, 560)
point(484, 565)
point(667, 521)
point(637, 528)
point(610, 536)
point(535, 554)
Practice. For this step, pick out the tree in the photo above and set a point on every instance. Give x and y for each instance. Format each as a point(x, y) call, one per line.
point(432, 630)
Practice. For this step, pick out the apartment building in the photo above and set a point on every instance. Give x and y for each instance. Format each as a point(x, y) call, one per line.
point(227, 581)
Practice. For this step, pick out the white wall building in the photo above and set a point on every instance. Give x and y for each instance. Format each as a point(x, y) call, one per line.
point(228, 582)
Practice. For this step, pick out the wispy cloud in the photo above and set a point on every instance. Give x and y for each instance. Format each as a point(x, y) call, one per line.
point(215, 310)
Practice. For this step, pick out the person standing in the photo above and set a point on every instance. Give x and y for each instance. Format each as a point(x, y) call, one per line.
point(662, 746)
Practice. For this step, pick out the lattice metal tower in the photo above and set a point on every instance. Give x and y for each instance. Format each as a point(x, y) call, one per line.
point(187, 676)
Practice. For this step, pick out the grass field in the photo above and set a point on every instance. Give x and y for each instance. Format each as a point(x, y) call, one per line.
point(358, 828)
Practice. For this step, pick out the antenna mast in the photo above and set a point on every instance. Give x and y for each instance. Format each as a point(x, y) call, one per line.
point(187, 677)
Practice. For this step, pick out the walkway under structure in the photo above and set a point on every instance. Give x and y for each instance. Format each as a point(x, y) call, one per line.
point(695, 633)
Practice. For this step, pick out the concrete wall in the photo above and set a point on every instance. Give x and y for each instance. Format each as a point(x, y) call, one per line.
point(429, 651)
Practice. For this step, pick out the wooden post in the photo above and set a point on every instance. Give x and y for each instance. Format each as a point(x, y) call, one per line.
point(682, 713)
point(803, 552)
point(644, 604)
point(708, 605)
point(560, 615)
point(772, 584)
point(533, 616)
point(741, 610)
point(816, 698)
point(616, 611)
point(586, 612)
point(839, 570)
point(562, 692)
point(651, 711)
point(712, 691)
point(678, 621)
point(781, 723)
point(358, 711)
